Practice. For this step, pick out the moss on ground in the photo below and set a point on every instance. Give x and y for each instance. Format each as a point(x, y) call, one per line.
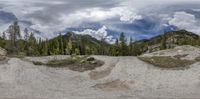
point(167, 62)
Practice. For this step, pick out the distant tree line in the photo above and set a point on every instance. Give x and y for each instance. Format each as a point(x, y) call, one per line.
point(76, 44)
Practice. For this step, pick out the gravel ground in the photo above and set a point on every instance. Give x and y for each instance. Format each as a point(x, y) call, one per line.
point(119, 78)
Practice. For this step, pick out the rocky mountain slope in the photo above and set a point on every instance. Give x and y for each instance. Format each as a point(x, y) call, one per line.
point(166, 41)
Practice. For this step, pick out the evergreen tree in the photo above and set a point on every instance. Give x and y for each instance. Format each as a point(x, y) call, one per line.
point(131, 46)
point(32, 48)
point(102, 46)
point(82, 47)
point(4, 36)
point(14, 31)
point(56, 50)
point(45, 48)
point(163, 46)
point(123, 45)
point(26, 35)
point(69, 48)
point(117, 48)
point(77, 52)
point(61, 44)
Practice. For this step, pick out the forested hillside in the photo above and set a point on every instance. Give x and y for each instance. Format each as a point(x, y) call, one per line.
point(72, 43)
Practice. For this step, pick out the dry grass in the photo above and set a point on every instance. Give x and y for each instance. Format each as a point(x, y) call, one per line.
point(197, 59)
point(75, 63)
point(167, 62)
point(37, 63)
point(60, 63)
point(180, 56)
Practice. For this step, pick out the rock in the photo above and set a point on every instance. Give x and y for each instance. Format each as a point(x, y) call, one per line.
point(93, 62)
point(3, 52)
point(90, 59)
point(82, 61)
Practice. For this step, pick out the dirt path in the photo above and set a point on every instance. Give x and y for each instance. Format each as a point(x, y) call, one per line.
point(113, 85)
point(99, 74)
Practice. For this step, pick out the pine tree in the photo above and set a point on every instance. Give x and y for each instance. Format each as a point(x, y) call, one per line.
point(56, 49)
point(88, 50)
point(123, 45)
point(14, 31)
point(82, 47)
point(117, 50)
point(102, 46)
point(4, 36)
point(69, 48)
point(32, 48)
point(77, 52)
point(130, 46)
point(26, 35)
point(61, 44)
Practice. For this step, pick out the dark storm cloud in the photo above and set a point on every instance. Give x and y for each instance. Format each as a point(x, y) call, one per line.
point(134, 17)
point(52, 11)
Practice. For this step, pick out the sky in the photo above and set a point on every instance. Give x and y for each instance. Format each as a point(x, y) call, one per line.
point(139, 19)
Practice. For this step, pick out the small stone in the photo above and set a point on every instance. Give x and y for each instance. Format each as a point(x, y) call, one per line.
point(93, 62)
point(82, 61)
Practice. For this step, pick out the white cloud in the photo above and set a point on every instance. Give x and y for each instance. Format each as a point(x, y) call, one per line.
point(49, 23)
point(196, 10)
point(98, 34)
point(126, 14)
point(98, 15)
point(187, 21)
point(183, 20)
point(49, 16)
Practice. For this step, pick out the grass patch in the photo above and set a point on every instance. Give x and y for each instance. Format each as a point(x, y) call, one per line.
point(75, 63)
point(180, 56)
point(167, 62)
point(38, 63)
point(60, 63)
point(197, 59)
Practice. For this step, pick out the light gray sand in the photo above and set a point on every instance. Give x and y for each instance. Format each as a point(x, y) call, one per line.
point(119, 78)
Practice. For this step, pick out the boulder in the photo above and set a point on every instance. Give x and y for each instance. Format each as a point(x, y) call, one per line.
point(3, 52)
point(90, 59)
